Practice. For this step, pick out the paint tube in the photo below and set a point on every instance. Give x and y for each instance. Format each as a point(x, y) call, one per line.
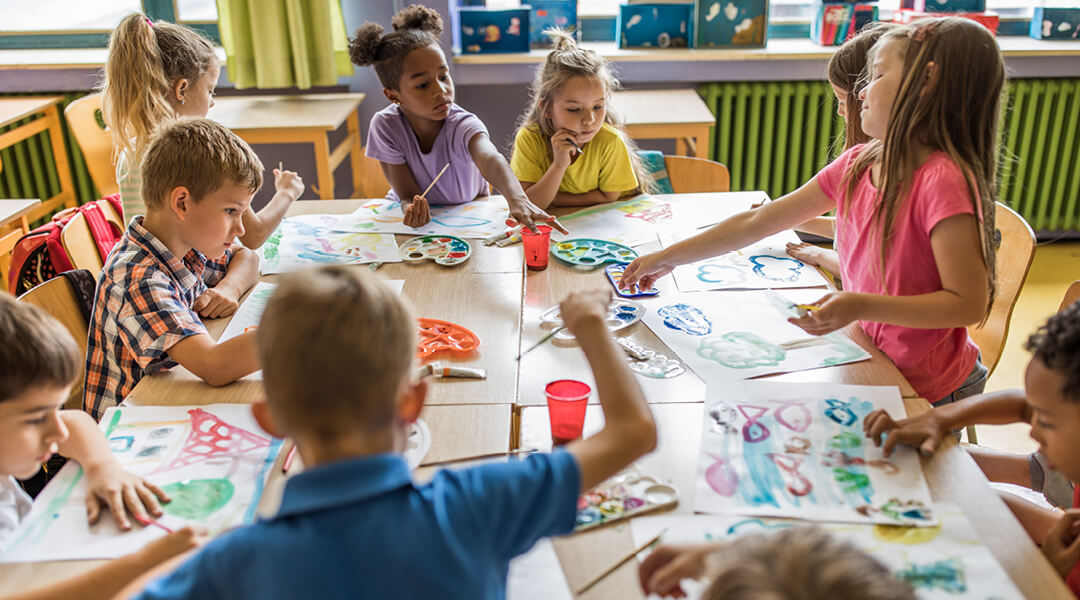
point(436, 369)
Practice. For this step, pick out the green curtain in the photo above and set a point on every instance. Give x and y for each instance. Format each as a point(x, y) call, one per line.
point(284, 43)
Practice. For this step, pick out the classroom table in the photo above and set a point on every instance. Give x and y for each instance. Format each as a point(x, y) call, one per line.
point(299, 119)
point(951, 474)
point(46, 117)
point(662, 114)
point(14, 214)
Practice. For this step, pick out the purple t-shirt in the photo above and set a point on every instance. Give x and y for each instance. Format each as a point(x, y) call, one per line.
point(392, 141)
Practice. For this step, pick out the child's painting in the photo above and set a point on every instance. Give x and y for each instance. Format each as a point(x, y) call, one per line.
point(764, 265)
point(798, 450)
point(212, 460)
point(738, 335)
point(308, 240)
point(945, 562)
point(637, 220)
point(476, 219)
point(246, 318)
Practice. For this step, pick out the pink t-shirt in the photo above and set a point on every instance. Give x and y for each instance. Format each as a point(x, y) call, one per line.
point(934, 361)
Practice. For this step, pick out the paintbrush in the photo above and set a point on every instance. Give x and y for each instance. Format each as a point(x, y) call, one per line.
point(547, 337)
point(147, 521)
point(280, 166)
point(436, 179)
point(478, 457)
point(588, 585)
point(288, 459)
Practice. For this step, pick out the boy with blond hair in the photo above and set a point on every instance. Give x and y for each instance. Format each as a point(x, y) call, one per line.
point(39, 362)
point(175, 263)
point(337, 346)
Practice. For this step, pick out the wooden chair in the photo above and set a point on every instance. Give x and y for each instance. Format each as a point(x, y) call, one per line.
point(57, 297)
point(94, 140)
point(80, 246)
point(696, 175)
point(7, 244)
point(1071, 295)
point(1015, 251)
point(373, 183)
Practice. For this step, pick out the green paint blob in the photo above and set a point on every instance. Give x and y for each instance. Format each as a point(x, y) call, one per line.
point(847, 352)
point(199, 498)
point(741, 350)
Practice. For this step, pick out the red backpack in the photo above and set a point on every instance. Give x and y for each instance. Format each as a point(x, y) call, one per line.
point(39, 255)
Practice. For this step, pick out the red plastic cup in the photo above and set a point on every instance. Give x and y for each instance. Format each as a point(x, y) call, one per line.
point(567, 400)
point(536, 247)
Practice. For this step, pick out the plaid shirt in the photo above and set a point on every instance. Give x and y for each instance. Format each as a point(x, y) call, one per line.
point(142, 308)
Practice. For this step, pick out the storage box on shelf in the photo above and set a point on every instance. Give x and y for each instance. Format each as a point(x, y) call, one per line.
point(730, 23)
point(479, 30)
point(655, 25)
point(836, 22)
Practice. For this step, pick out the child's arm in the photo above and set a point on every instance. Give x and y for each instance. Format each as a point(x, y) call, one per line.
point(960, 302)
point(1038, 521)
point(493, 166)
point(107, 580)
point(629, 430)
point(732, 233)
point(926, 431)
point(666, 566)
point(815, 256)
point(413, 205)
point(223, 299)
point(259, 225)
point(106, 480)
point(217, 364)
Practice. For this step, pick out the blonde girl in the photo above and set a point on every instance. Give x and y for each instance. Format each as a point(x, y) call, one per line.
point(570, 149)
point(156, 72)
point(915, 208)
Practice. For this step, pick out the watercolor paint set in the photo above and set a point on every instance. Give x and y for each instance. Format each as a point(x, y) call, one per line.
point(443, 336)
point(621, 314)
point(445, 250)
point(615, 274)
point(588, 253)
point(626, 495)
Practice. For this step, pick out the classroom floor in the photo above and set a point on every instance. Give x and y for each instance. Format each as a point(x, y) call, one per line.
point(1056, 266)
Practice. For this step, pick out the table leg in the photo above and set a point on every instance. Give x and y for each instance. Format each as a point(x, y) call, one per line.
point(680, 146)
point(63, 168)
point(701, 142)
point(325, 175)
point(355, 154)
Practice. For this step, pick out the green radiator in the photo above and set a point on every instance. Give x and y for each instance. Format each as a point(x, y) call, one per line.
point(28, 168)
point(774, 136)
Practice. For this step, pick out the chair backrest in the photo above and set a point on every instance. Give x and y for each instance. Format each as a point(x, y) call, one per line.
point(80, 245)
point(691, 175)
point(58, 298)
point(373, 183)
point(1016, 250)
point(7, 244)
point(1071, 295)
point(94, 141)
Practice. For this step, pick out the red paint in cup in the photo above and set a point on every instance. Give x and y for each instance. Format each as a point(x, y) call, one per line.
point(536, 247)
point(567, 400)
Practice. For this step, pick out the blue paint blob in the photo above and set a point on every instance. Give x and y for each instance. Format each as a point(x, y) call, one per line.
point(686, 318)
point(777, 268)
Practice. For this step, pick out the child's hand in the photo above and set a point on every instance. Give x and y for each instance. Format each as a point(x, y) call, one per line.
point(663, 569)
point(645, 271)
point(835, 311)
point(216, 302)
point(527, 214)
point(288, 183)
point(1062, 544)
point(122, 491)
point(417, 212)
point(580, 309)
point(173, 544)
point(563, 147)
point(924, 431)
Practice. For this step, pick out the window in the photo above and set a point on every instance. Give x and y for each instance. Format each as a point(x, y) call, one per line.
point(87, 24)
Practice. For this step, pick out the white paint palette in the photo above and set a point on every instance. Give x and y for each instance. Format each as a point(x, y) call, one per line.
point(621, 314)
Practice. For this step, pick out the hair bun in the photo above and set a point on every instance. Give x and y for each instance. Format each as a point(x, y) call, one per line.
point(562, 40)
point(364, 47)
point(418, 17)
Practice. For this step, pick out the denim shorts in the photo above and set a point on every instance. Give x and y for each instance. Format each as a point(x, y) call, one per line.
point(1056, 487)
point(974, 384)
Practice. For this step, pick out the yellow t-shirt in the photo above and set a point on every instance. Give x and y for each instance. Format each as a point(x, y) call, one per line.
point(604, 163)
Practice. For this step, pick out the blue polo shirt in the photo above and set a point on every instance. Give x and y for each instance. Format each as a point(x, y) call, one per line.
point(362, 529)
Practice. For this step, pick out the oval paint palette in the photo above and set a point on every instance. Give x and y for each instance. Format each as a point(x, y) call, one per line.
point(445, 250)
point(443, 336)
point(589, 253)
point(621, 314)
point(625, 496)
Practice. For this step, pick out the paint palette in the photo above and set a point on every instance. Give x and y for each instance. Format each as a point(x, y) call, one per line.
point(615, 274)
point(590, 253)
point(621, 314)
point(445, 250)
point(443, 336)
point(649, 363)
point(627, 495)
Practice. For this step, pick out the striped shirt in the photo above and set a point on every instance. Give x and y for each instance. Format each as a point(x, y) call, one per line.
point(142, 308)
point(129, 179)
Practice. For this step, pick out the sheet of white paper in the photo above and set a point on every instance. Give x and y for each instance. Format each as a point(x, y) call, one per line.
point(762, 265)
point(537, 575)
point(307, 240)
point(476, 219)
point(637, 220)
point(212, 460)
point(942, 563)
point(798, 450)
point(726, 336)
point(250, 311)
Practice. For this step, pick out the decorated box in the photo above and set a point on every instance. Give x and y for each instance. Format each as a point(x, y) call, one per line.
point(548, 14)
point(487, 31)
point(655, 25)
point(835, 23)
point(949, 6)
point(730, 23)
point(1055, 24)
point(988, 19)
